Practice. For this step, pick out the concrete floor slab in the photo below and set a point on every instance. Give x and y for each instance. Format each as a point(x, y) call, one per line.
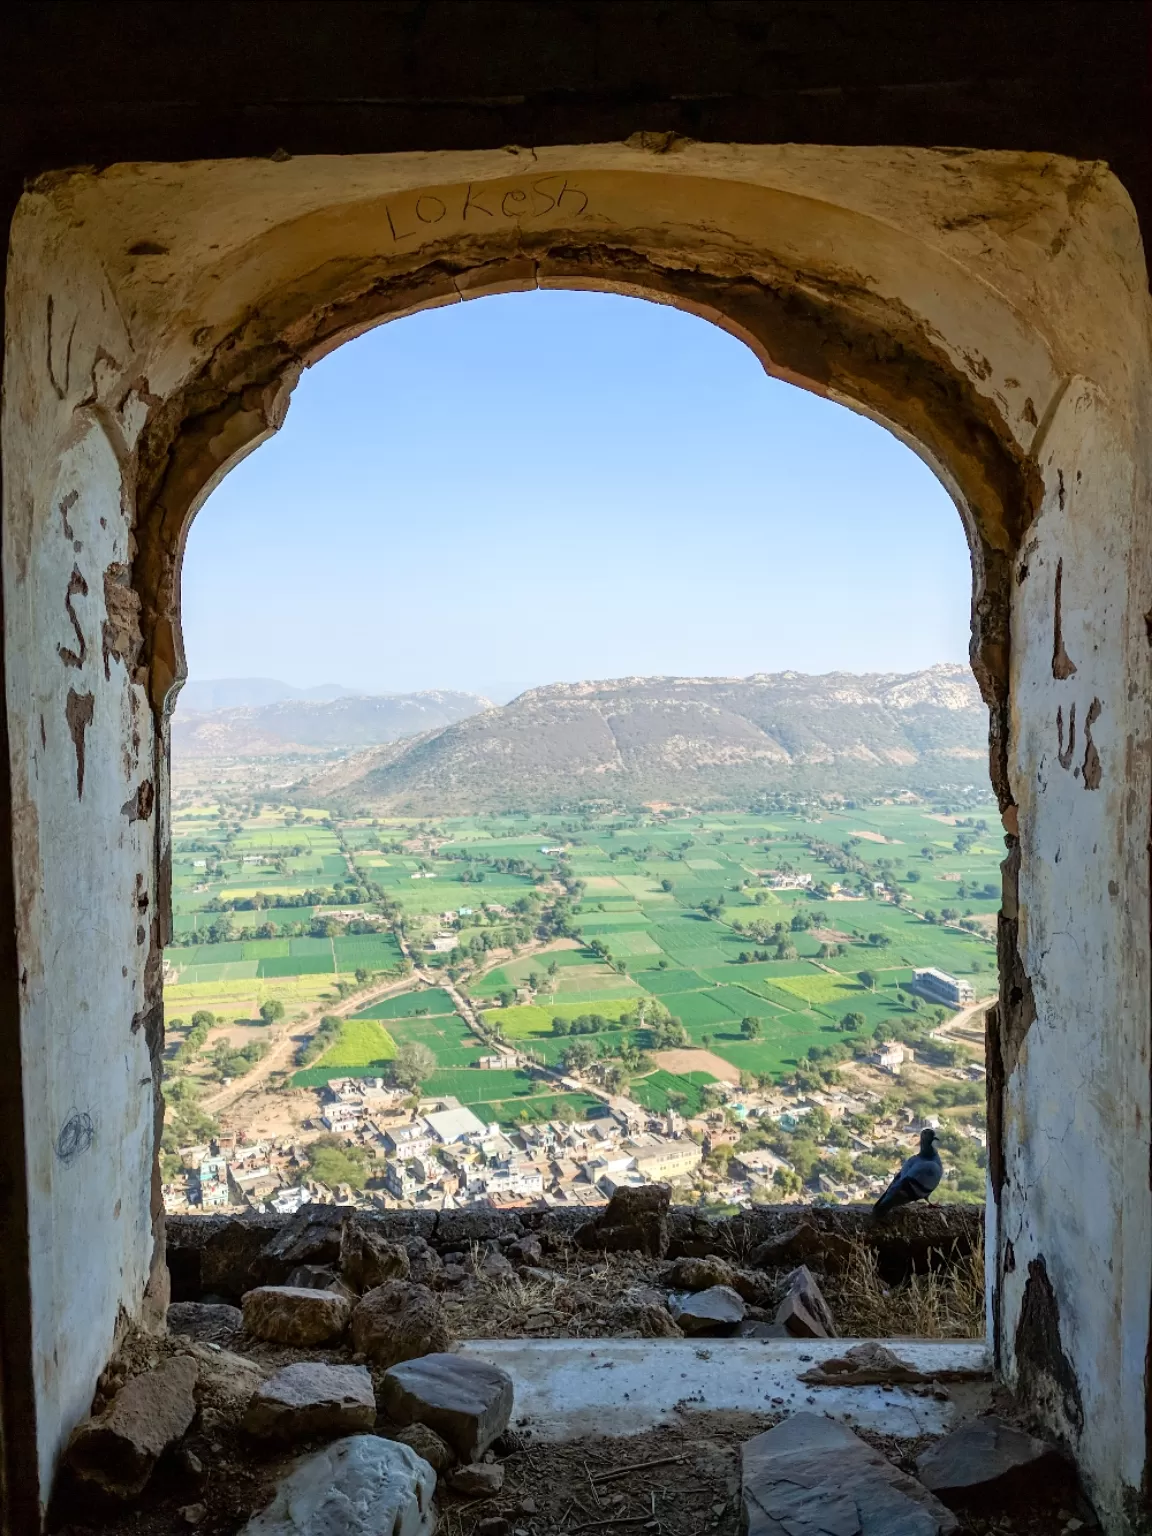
point(568, 1388)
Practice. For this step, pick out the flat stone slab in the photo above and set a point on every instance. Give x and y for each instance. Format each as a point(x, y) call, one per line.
point(312, 1398)
point(359, 1486)
point(466, 1401)
point(293, 1314)
point(813, 1477)
point(985, 1456)
point(568, 1388)
point(719, 1309)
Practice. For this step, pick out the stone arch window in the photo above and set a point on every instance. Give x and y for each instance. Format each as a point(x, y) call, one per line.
point(989, 308)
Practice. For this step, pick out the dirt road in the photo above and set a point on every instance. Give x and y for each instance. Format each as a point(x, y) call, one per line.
point(284, 1049)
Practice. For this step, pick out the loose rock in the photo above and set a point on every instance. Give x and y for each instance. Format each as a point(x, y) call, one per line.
point(634, 1219)
point(399, 1321)
point(804, 1312)
point(495, 1525)
point(225, 1386)
point(700, 1274)
point(798, 1246)
point(478, 1480)
point(643, 1317)
point(527, 1250)
point(359, 1486)
point(294, 1314)
point(368, 1260)
point(465, 1401)
point(494, 1266)
point(428, 1444)
point(813, 1474)
point(117, 1449)
point(750, 1330)
point(718, 1310)
point(985, 1457)
point(424, 1263)
point(205, 1323)
point(312, 1398)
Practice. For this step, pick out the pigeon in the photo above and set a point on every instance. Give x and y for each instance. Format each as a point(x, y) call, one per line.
point(916, 1180)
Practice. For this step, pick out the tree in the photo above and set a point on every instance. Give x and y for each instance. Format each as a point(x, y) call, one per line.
point(578, 1056)
point(272, 1010)
point(412, 1064)
point(867, 979)
point(852, 1022)
point(750, 1027)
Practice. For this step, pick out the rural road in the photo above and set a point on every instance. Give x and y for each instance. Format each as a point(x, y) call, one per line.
point(282, 1052)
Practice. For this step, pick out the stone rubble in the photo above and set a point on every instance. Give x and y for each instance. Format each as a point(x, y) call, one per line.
point(399, 1321)
point(716, 1311)
point(205, 1322)
point(467, 1402)
point(813, 1475)
point(804, 1312)
point(986, 1458)
point(700, 1274)
point(635, 1219)
point(368, 1260)
point(117, 1449)
point(312, 1398)
point(294, 1314)
point(427, 1443)
point(478, 1480)
point(358, 1486)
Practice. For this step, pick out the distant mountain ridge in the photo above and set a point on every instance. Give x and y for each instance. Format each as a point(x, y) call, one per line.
point(201, 695)
point(682, 740)
point(305, 724)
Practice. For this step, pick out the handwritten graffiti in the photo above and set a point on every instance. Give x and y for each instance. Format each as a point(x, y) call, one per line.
point(1090, 771)
point(483, 206)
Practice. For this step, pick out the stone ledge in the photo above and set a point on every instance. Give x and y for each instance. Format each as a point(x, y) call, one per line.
point(225, 1255)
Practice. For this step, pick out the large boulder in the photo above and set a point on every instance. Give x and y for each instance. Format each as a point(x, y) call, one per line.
point(116, 1450)
point(295, 1314)
point(718, 1310)
point(204, 1322)
point(399, 1321)
point(312, 1398)
point(368, 1260)
point(635, 1219)
point(986, 1458)
point(467, 1402)
point(812, 1474)
point(359, 1486)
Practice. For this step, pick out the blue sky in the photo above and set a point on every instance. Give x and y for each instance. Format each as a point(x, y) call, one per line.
point(552, 486)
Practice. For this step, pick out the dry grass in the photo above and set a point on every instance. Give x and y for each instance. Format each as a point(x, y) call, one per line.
point(575, 1304)
point(944, 1303)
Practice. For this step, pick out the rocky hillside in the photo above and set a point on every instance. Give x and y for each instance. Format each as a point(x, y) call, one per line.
point(684, 740)
point(304, 725)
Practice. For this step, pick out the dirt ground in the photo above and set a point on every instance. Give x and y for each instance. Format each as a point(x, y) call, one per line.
point(697, 1061)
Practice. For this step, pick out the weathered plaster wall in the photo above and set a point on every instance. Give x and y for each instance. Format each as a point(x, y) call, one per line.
point(992, 308)
point(83, 766)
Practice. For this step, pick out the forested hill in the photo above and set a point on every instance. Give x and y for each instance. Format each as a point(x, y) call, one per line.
point(294, 725)
point(683, 740)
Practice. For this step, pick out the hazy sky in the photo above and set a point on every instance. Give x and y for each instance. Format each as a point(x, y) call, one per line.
point(552, 486)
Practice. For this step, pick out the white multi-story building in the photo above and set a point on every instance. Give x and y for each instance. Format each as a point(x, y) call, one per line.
point(942, 988)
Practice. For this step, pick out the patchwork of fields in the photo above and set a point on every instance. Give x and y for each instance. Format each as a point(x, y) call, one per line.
point(656, 920)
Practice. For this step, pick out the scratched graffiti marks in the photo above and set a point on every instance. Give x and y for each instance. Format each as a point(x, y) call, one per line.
point(485, 206)
point(76, 1136)
point(1090, 771)
point(1063, 666)
point(78, 711)
point(77, 587)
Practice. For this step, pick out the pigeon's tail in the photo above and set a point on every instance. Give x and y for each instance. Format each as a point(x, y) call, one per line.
point(893, 1197)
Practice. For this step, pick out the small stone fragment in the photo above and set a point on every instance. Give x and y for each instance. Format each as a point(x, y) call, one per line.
point(359, 1486)
point(117, 1449)
point(467, 1402)
point(526, 1250)
point(700, 1274)
point(312, 1277)
point(399, 1321)
point(424, 1263)
point(205, 1323)
point(718, 1310)
point(804, 1312)
point(495, 1525)
point(751, 1330)
point(635, 1219)
point(528, 1505)
point(643, 1316)
point(428, 1444)
point(294, 1314)
point(494, 1266)
point(985, 1457)
point(192, 1514)
point(368, 1260)
point(312, 1398)
point(813, 1474)
point(478, 1479)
